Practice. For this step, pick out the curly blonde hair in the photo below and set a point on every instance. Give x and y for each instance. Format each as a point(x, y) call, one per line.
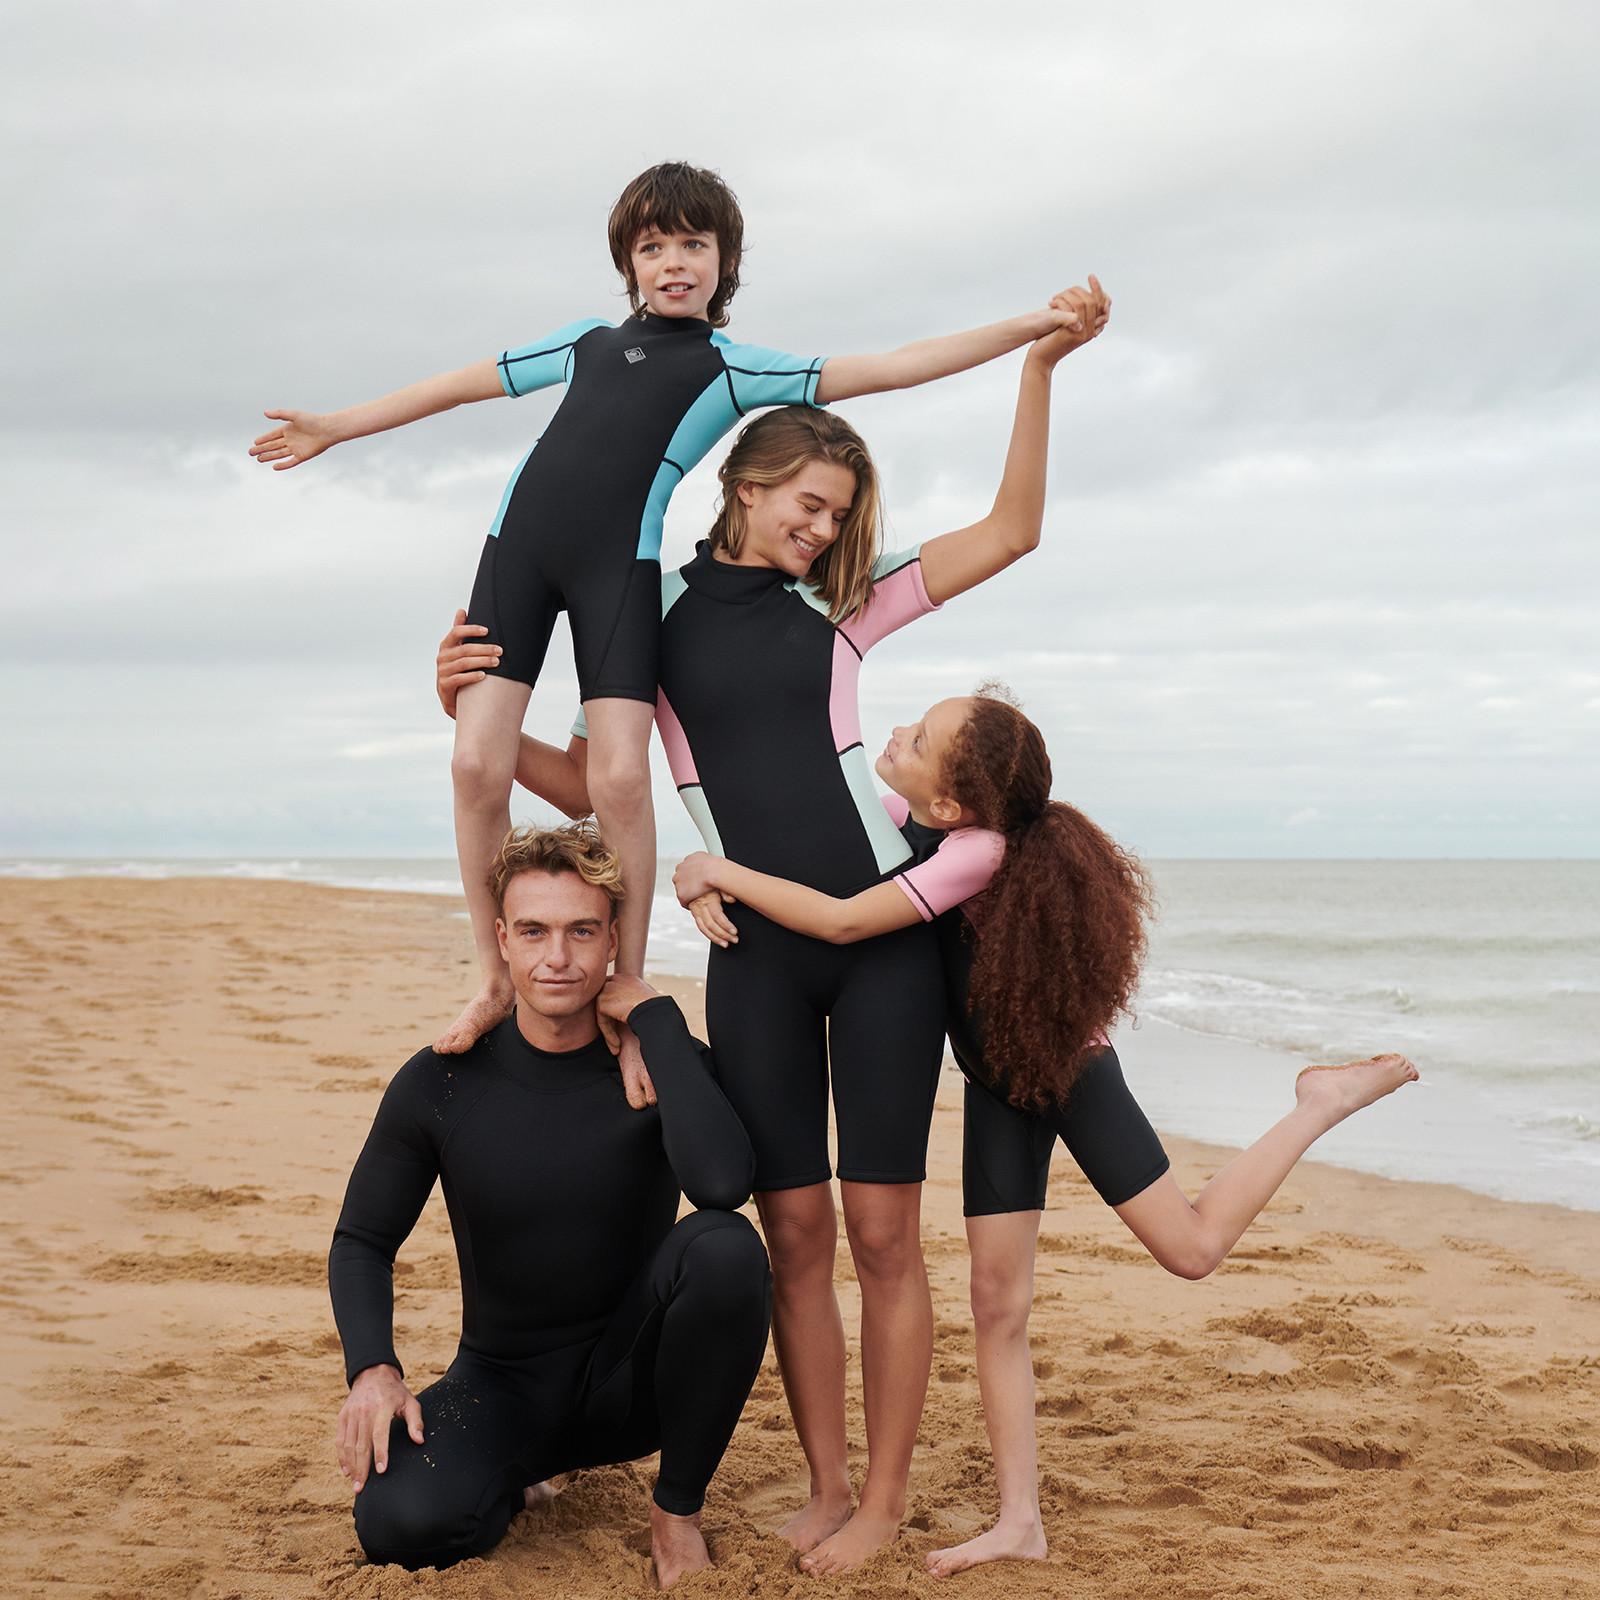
point(576, 847)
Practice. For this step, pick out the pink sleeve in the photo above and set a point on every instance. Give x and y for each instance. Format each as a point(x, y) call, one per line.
point(898, 807)
point(961, 867)
point(898, 597)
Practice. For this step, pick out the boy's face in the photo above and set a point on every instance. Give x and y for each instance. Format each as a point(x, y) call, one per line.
point(678, 273)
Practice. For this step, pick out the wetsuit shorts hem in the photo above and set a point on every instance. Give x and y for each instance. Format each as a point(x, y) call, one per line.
point(617, 691)
point(857, 1175)
point(765, 1185)
point(1116, 1197)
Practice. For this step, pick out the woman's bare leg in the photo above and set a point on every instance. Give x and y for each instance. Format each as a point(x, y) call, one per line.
point(488, 723)
point(808, 1336)
point(1192, 1240)
point(1002, 1296)
point(883, 1221)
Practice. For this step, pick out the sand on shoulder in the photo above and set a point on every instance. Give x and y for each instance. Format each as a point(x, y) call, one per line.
point(1391, 1389)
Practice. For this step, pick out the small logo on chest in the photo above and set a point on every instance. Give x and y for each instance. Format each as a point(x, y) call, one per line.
point(633, 355)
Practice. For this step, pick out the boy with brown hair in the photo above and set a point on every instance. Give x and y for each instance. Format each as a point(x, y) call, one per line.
point(579, 527)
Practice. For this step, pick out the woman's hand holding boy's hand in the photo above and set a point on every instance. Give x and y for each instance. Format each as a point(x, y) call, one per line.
point(464, 657)
point(304, 434)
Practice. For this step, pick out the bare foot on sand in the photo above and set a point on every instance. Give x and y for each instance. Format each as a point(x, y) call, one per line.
point(1337, 1090)
point(677, 1547)
point(860, 1537)
point(1003, 1542)
point(538, 1494)
point(491, 1004)
point(820, 1517)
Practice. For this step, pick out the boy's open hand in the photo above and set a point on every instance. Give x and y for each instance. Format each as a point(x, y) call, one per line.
point(464, 657)
point(304, 434)
point(1083, 314)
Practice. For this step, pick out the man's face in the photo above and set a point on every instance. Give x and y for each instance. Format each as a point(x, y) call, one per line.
point(558, 937)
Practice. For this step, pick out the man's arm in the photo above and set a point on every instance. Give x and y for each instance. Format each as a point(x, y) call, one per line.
point(844, 377)
point(305, 434)
point(706, 1143)
point(393, 1177)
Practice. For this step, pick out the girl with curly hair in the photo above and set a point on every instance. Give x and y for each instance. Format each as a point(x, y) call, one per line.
point(1041, 922)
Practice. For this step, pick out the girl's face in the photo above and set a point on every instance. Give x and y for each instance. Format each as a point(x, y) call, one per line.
point(677, 272)
point(791, 523)
point(913, 762)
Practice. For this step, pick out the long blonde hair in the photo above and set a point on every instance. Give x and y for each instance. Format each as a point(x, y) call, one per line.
point(770, 450)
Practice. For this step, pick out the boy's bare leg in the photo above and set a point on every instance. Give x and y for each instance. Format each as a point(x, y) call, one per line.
point(1002, 1296)
point(884, 1224)
point(488, 722)
point(808, 1335)
point(619, 789)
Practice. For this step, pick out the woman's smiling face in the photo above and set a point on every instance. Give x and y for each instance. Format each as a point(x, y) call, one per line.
point(790, 524)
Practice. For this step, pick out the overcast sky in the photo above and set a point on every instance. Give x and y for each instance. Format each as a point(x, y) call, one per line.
point(1319, 572)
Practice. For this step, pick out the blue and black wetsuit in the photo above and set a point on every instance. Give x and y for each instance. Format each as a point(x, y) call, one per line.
point(758, 714)
point(579, 526)
point(594, 1327)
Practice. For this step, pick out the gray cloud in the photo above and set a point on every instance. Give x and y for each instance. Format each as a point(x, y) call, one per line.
point(1319, 567)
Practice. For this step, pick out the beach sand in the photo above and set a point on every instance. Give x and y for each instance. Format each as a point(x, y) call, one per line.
point(1391, 1388)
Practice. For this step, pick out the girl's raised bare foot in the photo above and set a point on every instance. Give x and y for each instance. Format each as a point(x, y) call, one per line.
point(1337, 1090)
point(863, 1535)
point(677, 1547)
point(1023, 1541)
point(820, 1517)
point(490, 1005)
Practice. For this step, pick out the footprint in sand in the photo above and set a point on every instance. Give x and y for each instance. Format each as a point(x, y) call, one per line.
point(1356, 1455)
point(1554, 1455)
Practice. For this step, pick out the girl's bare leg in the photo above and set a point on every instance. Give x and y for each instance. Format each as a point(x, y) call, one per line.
point(1002, 1296)
point(883, 1221)
point(488, 723)
point(808, 1336)
point(1192, 1240)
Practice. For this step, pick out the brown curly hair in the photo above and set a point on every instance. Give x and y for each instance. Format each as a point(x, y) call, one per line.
point(1063, 919)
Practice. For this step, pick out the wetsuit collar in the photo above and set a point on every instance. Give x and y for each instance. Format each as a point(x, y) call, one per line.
point(549, 1069)
point(655, 324)
point(722, 580)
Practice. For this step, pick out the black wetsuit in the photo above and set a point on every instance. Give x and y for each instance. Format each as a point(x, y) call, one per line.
point(594, 1328)
point(1005, 1155)
point(579, 526)
point(758, 714)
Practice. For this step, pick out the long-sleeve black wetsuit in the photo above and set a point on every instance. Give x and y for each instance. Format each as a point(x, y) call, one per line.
point(594, 1327)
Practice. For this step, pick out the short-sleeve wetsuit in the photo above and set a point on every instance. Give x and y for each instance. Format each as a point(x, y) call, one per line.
point(1005, 1162)
point(579, 526)
point(594, 1328)
point(758, 714)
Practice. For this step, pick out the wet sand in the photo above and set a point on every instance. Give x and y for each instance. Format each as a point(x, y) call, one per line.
point(1391, 1388)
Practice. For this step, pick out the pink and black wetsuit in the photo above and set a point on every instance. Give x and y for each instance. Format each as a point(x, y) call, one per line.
point(758, 713)
point(1005, 1157)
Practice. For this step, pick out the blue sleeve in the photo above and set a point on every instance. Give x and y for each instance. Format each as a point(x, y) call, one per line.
point(545, 361)
point(761, 377)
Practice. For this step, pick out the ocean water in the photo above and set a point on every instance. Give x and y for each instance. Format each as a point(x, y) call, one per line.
point(1487, 973)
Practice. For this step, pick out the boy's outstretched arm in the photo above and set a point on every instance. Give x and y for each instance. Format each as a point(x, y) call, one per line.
point(954, 562)
point(305, 434)
point(844, 377)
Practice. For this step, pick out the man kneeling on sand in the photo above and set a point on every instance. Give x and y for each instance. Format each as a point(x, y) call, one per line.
point(595, 1328)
